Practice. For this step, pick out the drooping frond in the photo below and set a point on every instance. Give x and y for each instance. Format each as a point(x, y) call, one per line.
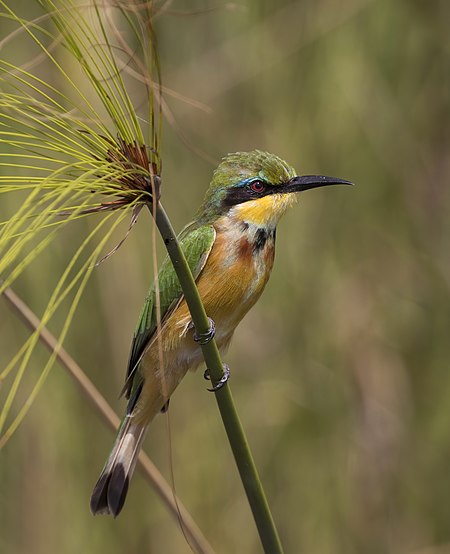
point(72, 143)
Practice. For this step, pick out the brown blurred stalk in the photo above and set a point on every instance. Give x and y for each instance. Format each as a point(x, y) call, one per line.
point(195, 537)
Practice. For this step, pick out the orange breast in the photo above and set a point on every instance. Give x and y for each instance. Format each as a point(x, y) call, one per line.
point(234, 278)
point(230, 284)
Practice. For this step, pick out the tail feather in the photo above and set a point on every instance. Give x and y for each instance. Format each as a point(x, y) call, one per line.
point(110, 491)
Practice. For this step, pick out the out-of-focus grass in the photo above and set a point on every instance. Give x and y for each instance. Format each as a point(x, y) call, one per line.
point(341, 372)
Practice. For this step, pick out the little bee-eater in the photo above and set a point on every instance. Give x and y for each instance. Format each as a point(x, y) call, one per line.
point(230, 248)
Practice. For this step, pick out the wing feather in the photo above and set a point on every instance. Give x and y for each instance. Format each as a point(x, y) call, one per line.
point(196, 244)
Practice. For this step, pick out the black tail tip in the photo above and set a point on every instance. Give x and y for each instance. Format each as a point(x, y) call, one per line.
point(99, 497)
point(117, 490)
point(110, 492)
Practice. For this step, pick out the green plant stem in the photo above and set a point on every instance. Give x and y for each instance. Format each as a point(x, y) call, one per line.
point(236, 436)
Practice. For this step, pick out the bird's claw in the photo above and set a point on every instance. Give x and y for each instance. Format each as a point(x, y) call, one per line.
point(204, 338)
point(222, 381)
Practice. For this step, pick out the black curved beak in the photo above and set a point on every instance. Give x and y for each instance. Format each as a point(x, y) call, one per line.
point(305, 182)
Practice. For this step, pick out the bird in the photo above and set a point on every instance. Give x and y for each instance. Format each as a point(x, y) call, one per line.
point(230, 248)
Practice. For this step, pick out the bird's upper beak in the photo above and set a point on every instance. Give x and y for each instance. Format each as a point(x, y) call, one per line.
point(305, 182)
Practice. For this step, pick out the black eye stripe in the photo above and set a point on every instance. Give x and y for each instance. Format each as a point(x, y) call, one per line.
point(249, 191)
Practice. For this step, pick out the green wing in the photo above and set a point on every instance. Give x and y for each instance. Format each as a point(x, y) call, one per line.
point(196, 245)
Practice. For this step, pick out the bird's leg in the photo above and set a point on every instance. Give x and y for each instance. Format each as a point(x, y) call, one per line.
point(204, 338)
point(223, 379)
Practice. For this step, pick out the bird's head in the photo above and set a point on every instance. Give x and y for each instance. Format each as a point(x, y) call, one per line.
point(256, 187)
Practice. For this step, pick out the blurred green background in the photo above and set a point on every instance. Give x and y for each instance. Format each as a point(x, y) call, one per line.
point(341, 372)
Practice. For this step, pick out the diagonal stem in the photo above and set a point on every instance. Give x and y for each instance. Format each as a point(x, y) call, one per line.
point(104, 410)
point(236, 436)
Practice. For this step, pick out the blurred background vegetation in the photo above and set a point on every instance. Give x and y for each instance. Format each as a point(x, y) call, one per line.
point(341, 372)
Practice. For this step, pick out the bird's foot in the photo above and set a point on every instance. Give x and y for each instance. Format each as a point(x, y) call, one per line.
point(222, 381)
point(204, 338)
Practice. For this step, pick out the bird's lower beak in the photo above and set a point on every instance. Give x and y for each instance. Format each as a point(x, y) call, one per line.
point(305, 182)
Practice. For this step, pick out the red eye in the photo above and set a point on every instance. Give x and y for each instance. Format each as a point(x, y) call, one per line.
point(257, 186)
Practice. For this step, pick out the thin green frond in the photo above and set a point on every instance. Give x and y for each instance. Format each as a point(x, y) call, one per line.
point(66, 284)
point(72, 145)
